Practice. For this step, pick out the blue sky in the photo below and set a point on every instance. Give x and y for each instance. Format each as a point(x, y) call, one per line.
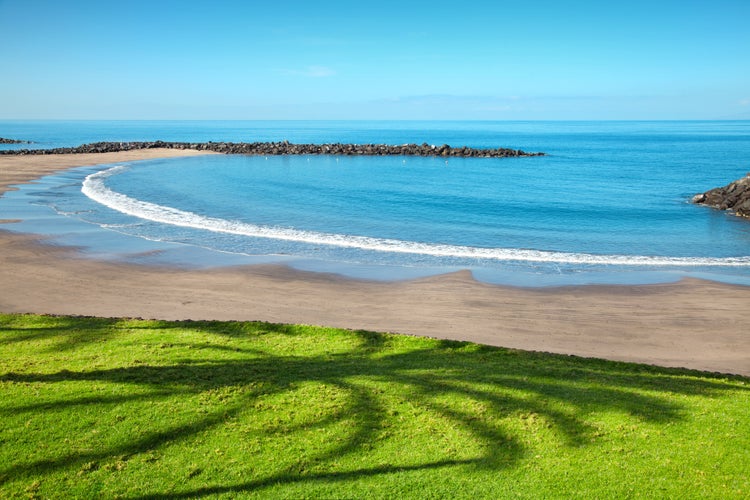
point(498, 60)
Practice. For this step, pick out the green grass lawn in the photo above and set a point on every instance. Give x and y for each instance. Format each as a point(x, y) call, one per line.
point(147, 409)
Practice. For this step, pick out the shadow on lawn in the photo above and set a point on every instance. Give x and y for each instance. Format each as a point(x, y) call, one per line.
point(560, 390)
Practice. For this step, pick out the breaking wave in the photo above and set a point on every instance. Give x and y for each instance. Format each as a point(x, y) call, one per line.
point(95, 188)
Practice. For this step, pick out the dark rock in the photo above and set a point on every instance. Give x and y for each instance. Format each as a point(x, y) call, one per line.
point(287, 148)
point(734, 196)
point(3, 140)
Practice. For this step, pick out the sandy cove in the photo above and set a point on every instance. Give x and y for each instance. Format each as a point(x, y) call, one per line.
point(694, 324)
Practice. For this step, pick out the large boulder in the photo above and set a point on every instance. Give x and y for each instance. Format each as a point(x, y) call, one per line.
point(734, 196)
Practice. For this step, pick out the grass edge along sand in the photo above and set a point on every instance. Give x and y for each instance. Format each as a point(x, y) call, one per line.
point(148, 409)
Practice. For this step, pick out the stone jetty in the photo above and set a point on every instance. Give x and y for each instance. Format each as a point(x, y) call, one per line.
point(287, 148)
point(735, 196)
point(4, 140)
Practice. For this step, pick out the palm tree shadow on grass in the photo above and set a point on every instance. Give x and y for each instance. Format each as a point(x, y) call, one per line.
point(66, 332)
point(445, 379)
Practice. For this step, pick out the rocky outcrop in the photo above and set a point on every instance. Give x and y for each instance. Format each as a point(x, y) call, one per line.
point(3, 140)
point(735, 196)
point(287, 148)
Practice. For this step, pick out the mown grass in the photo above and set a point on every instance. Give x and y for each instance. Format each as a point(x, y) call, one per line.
point(149, 409)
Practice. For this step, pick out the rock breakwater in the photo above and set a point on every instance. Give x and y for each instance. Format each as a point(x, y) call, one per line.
point(734, 196)
point(4, 140)
point(287, 148)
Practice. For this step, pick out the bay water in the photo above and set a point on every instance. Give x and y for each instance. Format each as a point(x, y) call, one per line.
point(609, 203)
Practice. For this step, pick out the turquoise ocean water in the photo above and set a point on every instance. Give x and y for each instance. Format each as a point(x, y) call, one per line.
point(608, 204)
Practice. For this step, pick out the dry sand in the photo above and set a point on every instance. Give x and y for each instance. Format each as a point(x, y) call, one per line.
point(694, 324)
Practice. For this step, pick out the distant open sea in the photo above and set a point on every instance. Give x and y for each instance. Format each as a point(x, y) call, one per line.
point(610, 203)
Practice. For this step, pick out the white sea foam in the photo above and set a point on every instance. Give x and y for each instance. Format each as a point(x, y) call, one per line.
point(95, 188)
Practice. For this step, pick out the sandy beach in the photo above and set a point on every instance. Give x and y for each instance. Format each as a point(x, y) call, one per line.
point(693, 323)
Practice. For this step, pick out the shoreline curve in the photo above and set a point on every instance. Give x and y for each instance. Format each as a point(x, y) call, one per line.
point(692, 324)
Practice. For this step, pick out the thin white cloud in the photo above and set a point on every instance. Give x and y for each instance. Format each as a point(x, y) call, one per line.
point(309, 72)
point(745, 102)
point(319, 71)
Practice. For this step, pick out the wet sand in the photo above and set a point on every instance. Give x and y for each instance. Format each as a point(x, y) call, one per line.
point(694, 324)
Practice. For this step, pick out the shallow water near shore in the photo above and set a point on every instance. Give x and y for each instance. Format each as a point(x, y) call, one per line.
point(609, 204)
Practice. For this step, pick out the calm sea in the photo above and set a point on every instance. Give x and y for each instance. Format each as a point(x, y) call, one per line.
point(608, 204)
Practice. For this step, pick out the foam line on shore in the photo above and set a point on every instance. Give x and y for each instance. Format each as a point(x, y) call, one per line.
point(94, 187)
